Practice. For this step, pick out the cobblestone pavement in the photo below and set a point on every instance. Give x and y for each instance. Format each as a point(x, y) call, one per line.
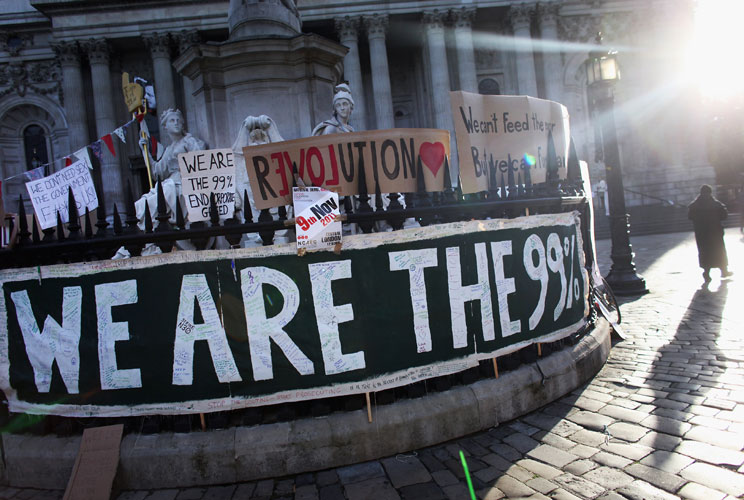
point(663, 419)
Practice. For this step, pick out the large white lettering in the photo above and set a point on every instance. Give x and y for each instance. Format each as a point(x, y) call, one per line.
point(415, 261)
point(504, 286)
point(261, 330)
point(109, 295)
point(459, 294)
point(54, 342)
point(194, 286)
point(329, 316)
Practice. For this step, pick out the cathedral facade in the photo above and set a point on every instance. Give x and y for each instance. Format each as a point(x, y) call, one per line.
point(61, 65)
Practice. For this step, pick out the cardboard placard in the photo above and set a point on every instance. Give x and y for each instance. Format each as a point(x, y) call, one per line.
point(507, 132)
point(49, 194)
point(96, 463)
point(206, 172)
point(388, 157)
point(316, 211)
point(133, 93)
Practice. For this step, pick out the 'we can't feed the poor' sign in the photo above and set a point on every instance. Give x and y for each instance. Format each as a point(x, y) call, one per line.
point(49, 195)
point(507, 133)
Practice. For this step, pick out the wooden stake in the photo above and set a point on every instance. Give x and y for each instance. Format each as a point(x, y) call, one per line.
point(539, 349)
point(527, 212)
point(495, 369)
point(369, 408)
point(203, 422)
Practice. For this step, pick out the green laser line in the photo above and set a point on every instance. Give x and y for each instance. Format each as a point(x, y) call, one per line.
point(467, 475)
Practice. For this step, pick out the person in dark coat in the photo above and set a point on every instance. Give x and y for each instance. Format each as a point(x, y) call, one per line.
point(706, 214)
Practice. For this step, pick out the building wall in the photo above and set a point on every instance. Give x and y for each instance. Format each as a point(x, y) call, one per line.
point(46, 44)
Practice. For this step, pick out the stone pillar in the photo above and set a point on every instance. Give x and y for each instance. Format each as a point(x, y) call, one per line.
point(463, 19)
point(98, 51)
point(553, 66)
point(439, 76)
point(376, 26)
point(187, 39)
point(159, 45)
point(520, 16)
point(347, 32)
point(68, 54)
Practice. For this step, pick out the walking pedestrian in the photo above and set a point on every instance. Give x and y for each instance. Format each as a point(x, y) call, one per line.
point(706, 214)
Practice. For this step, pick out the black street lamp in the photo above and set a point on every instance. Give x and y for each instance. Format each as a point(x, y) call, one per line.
point(602, 73)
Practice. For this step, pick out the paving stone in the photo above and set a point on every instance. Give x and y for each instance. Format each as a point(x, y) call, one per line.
point(609, 478)
point(554, 440)
point(599, 396)
point(552, 455)
point(656, 477)
point(710, 453)
point(579, 467)
point(667, 461)
point(583, 451)
point(591, 421)
point(404, 471)
point(666, 425)
point(506, 451)
point(161, 495)
point(588, 438)
point(127, 495)
point(611, 495)
point(521, 442)
point(513, 488)
point(610, 460)
point(431, 463)
point(490, 493)
point(626, 431)
point(640, 490)
point(524, 428)
point(719, 403)
point(561, 494)
point(579, 486)
point(496, 461)
point(624, 414)
point(422, 491)
point(541, 485)
point(220, 492)
point(326, 477)
point(713, 422)
point(456, 492)
point(360, 472)
point(331, 492)
point(588, 404)
point(284, 487)
point(660, 441)
point(264, 488)
point(695, 491)
point(488, 474)
point(306, 492)
point(716, 437)
point(244, 490)
point(715, 477)
point(539, 468)
point(377, 488)
point(633, 451)
point(444, 478)
point(191, 494)
point(519, 473)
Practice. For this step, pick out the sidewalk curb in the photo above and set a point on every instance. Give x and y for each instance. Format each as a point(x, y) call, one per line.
point(286, 448)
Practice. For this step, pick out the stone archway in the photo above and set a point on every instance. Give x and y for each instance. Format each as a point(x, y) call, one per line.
point(16, 115)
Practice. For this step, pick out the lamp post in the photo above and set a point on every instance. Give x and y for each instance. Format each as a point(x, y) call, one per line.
point(602, 74)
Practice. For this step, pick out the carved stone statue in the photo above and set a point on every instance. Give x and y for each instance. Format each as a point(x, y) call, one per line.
point(343, 105)
point(166, 167)
point(254, 131)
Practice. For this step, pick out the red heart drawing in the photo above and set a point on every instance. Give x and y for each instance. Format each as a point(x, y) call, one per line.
point(432, 154)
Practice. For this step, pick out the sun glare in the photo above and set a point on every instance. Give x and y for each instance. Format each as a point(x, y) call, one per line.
point(714, 55)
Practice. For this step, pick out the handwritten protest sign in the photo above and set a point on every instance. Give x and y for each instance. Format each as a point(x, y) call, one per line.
point(507, 132)
point(49, 194)
point(316, 210)
point(389, 158)
point(206, 172)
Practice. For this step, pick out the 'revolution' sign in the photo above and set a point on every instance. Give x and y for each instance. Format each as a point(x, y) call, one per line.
point(197, 332)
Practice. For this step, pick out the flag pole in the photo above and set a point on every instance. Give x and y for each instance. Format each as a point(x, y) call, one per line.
point(134, 96)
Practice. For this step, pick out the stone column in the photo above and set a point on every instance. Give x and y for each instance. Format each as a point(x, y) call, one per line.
point(376, 26)
point(187, 39)
point(553, 66)
point(103, 103)
point(68, 54)
point(463, 19)
point(347, 32)
point(440, 84)
point(520, 16)
point(159, 45)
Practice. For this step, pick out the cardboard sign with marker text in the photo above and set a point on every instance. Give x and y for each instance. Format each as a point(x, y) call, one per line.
point(206, 172)
point(507, 133)
point(389, 158)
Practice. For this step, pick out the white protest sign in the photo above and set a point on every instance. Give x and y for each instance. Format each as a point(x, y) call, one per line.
point(316, 210)
point(206, 172)
point(49, 194)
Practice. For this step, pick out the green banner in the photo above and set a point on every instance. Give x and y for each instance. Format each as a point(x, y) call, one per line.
point(208, 331)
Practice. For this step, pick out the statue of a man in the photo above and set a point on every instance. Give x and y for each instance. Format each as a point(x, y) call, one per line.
point(343, 105)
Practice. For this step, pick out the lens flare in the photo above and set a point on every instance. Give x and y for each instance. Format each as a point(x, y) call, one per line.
point(529, 160)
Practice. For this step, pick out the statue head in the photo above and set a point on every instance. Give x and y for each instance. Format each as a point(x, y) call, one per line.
point(706, 190)
point(343, 103)
point(172, 121)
